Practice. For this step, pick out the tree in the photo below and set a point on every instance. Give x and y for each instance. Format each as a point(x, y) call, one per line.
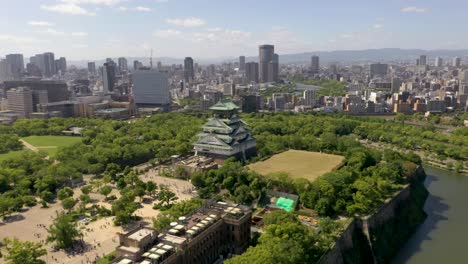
point(18, 252)
point(279, 217)
point(105, 190)
point(124, 208)
point(63, 231)
point(166, 196)
point(65, 193)
point(86, 189)
point(68, 203)
point(151, 188)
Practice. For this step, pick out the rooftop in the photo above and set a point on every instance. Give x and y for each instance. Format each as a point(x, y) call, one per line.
point(224, 105)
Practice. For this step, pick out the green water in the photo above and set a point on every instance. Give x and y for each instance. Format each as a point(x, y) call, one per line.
point(443, 237)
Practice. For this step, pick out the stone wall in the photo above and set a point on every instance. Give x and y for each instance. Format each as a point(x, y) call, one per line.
point(377, 238)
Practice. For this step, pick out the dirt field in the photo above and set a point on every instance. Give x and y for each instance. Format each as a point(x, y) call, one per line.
point(101, 236)
point(299, 164)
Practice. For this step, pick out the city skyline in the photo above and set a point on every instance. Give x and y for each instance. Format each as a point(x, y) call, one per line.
point(94, 29)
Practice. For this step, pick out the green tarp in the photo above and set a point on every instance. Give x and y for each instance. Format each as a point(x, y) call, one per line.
point(286, 204)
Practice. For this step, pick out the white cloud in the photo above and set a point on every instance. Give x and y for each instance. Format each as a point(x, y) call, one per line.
point(168, 33)
point(53, 32)
point(18, 39)
point(377, 26)
point(161, 1)
point(92, 2)
point(142, 9)
point(69, 9)
point(187, 22)
point(79, 34)
point(40, 24)
point(122, 8)
point(414, 9)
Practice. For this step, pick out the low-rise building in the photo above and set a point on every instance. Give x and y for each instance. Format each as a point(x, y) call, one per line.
point(216, 229)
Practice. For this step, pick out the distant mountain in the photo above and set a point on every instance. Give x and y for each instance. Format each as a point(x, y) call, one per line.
point(345, 56)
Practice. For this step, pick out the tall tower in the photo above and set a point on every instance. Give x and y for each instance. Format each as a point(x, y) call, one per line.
point(189, 74)
point(14, 66)
point(315, 65)
point(423, 60)
point(265, 56)
point(49, 64)
point(251, 72)
point(438, 62)
point(108, 77)
point(242, 63)
point(123, 64)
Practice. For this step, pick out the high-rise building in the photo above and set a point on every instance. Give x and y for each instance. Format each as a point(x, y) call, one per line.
point(188, 70)
point(456, 62)
point(273, 69)
point(49, 64)
point(378, 69)
point(159, 66)
point(438, 62)
point(14, 66)
point(20, 101)
point(108, 77)
point(123, 64)
point(315, 64)
point(137, 65)
point(61, 65)
point(242, 63)
point(309, 97)
point(251, 72)
point(92, 68)
point(463, 76)
point(151, 88)
point(423, 60)
point(265, 56)
point(3, 70)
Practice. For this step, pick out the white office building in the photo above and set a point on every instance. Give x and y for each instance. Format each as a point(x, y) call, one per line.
point(150, 88)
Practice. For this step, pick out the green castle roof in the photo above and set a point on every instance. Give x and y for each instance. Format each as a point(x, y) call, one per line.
point(224, 105)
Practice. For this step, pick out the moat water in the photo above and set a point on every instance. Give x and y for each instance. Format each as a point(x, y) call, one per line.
point(443, 237)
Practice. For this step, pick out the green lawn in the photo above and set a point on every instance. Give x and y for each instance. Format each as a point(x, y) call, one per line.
point(50, 144)
point(11, 154)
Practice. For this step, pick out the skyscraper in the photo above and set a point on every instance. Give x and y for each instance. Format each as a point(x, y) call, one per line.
point(438, 62)
point(150, 88)
point(123, 64)
point(273, 69)
point(62, 65)
point(251, 71)
point(108, 77)
point(315, 65)
point(265, 56)
point(188, 70)
point(49, 64)
point(14, 66)
point(242, 63)
point(456, 62)
point(137, 65)
point(423, 60)
point(92, 68)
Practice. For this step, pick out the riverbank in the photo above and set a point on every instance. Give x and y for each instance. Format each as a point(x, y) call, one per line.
point(442, 237)
point(378, 238)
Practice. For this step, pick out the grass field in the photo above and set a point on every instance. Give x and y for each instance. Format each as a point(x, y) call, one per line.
point(299, 164)
point(50, 144)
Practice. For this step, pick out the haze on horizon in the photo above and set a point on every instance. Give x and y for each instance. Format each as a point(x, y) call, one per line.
point(95, 29)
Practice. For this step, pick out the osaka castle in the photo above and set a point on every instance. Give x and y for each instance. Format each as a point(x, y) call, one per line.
point(225, 135)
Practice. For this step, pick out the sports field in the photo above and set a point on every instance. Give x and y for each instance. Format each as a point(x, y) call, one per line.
point(299, 164)
point(50, 144)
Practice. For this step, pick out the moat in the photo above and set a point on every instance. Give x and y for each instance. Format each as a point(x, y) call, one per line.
point(442, 237)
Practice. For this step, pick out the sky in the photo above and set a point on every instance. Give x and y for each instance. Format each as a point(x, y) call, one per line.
point(96, 29)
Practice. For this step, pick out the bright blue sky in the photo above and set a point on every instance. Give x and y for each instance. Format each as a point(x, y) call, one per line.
point(95, 29)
